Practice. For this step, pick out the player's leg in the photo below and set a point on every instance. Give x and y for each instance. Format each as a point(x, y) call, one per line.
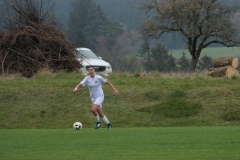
point(104, 118)
point(99, 101)
point(94, 109)
point(95, 113)
point(100, 112)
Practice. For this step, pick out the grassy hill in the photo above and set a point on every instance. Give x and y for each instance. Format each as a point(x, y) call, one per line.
point(214, 52)
point(146, 99)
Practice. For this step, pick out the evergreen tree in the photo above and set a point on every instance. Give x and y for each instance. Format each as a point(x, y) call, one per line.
point(77, 19)
point(144, 50)
point(205, 63)
point(184, 63)
point(159, 59)
point(81, 40)
point(123, 11)
point(88, 20)
point(170, 63)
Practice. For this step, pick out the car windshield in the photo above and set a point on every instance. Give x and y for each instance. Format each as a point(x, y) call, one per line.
point(88, 54)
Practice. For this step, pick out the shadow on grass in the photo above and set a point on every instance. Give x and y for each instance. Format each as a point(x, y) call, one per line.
point(178, 94)
point(232, 116)
point(174, 108)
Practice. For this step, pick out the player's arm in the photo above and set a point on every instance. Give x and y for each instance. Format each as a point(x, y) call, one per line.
point(115, 90)
point(76, 88)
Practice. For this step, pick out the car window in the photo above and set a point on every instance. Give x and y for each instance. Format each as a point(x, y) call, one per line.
point(88, 54)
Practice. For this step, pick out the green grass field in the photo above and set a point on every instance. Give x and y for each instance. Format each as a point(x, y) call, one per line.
point(180, 143)
point(156, 116)
point(214, 52)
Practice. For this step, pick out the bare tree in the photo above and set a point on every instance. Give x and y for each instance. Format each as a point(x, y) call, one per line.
point(200, 22)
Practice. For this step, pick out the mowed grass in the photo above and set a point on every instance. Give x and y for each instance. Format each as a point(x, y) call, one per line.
point(180, 143)
point(214, 52)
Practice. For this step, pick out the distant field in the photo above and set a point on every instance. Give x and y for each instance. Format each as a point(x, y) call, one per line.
point(214, 52)
point(173, 143)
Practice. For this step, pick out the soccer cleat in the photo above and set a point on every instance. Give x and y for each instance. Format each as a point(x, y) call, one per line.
point(98, 124)
point(109, 125)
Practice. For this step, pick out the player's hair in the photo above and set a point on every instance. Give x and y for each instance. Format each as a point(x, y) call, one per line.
point(90, 67)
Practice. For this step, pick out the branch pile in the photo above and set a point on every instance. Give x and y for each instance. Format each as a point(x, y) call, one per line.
point(225, 66)
point(33, 46)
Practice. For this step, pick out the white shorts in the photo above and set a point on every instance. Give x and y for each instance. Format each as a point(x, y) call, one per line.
point(98, 101)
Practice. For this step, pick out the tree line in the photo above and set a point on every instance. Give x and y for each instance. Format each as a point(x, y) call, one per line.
point(89, 27)
point(159, 59)
point(113, 29)
point(200, 23)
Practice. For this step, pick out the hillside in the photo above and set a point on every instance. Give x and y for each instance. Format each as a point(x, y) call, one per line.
point(47, 101)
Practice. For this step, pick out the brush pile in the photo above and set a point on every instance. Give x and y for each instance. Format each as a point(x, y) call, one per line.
point(32, 46)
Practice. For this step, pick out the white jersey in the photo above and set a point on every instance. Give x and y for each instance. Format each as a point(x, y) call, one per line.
point(94, 85)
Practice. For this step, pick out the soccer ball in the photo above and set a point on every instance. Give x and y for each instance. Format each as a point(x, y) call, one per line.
point(77, 125)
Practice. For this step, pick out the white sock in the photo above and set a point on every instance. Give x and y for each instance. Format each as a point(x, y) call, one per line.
point(97, 118)
point(105, 120)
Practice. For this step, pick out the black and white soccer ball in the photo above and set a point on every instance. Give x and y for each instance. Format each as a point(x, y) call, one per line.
point(77, 125)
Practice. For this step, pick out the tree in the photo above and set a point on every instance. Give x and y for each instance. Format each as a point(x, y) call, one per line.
point(144, 50)
point(89, 22)
point(129, 64)
point(205, 63)
point(81, 39)
point(121, 55)
point(158, 59)
point(184, 63)
point(199, 22)
point(123, 11)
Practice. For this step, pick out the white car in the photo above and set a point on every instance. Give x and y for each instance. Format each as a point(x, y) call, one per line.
point(90, 59)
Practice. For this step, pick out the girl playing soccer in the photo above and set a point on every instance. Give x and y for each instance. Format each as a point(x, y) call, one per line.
point(94, 83)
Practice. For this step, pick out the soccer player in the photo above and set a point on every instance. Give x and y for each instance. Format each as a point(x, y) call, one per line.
point(94, 83)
